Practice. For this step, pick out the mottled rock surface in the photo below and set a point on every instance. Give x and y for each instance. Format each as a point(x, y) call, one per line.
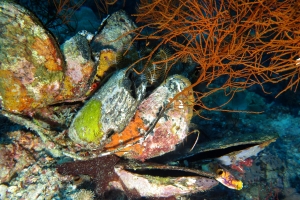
point(19, 155)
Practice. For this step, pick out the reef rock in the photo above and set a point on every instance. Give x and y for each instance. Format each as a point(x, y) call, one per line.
point(31, 67)
point(13, 159)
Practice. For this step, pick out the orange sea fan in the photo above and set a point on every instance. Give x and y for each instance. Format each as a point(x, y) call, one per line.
point(244, 42)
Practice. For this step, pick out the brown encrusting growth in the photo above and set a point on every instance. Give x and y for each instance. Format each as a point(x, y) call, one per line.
point(244, 42)
point(101, 170)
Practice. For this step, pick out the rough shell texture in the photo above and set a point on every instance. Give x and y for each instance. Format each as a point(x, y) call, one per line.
point(117, 25)
point(109, 110)
point(80, 69)
point(31, 67)
point(170, 129)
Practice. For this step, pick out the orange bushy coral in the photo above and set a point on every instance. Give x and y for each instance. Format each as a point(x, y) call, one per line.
point(156, 129)
point(245, 42)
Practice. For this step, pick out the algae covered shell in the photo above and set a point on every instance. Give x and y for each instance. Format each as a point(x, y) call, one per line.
point(31, 67)
point(108, 111)
point(118, 24)
point(136, 128)
point(33, 71)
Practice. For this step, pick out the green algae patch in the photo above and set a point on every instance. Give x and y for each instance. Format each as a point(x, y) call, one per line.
point(87, 124)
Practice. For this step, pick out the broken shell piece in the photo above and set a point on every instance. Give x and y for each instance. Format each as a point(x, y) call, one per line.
point(157, 127)
point(236, 156)
point(108, 111)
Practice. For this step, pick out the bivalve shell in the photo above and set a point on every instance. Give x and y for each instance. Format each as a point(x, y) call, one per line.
point(157, 126)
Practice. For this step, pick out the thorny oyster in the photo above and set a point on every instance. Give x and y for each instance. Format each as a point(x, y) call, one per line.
point(161, 126)
point(138, 179)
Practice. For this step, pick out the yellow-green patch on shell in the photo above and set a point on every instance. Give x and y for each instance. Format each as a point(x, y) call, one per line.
point(88, 125)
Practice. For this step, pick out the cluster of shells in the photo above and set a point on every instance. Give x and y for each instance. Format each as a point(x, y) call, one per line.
point(119, 118)
point(35, 74)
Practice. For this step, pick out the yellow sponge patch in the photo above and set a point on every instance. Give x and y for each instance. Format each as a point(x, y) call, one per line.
point(106, 61)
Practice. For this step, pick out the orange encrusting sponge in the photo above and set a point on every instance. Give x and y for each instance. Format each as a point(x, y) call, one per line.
point(129, 135)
